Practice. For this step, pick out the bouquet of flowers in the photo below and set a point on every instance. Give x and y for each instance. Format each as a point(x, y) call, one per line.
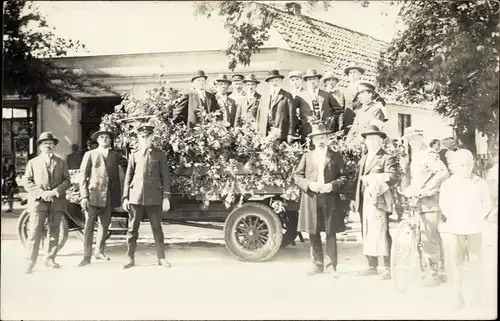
point(73, 193)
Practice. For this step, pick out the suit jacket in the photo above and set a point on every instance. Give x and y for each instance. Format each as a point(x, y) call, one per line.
point(230, 109)
point(382, 163)
point(329, 107)
point(185, 109)
point(147, 179)
point(39, 178)
point(307, 172)
point(250, 106)
point(101, 178)
point(279, 113)
point(74, 160)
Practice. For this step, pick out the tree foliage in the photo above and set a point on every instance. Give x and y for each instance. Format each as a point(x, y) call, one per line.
point(248, 24)
point(447, 53)
point(29, 43)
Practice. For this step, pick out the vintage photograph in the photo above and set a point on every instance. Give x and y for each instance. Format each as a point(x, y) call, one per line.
point(250, 160)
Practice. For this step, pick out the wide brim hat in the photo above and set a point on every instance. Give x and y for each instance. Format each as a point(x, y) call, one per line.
point(373, 130)
point(145, 128)
point(273, 74)
point(251, 78)
point(237, 77)
point(330, 75)
point(198, 74)
point(412, 131)
point(319, 130)
point(102, 130)
point(364, 86)
point(47, 136)
point(223, 78)
point(295, 73)
point(312, 73)
point(351, 67)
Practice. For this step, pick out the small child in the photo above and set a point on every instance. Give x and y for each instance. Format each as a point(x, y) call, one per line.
point(465, 203)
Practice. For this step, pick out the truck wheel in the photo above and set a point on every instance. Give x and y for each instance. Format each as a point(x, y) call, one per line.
point(289, 222)
point(253, 232)
point(23, 228)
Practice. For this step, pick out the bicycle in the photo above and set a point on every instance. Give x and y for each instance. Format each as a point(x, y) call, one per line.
point(407, 248)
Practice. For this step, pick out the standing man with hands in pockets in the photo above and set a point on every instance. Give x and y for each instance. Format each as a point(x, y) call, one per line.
point(101, 192)
point(146, 191)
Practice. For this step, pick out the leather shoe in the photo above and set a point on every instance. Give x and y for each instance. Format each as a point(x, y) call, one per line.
point(368, 272)
point(52, 264)
point(130, 264)
point(102, 256)
point(85, 261)
point(164, 263)
point(315, 271)
point(29, 269)
point(386, 275)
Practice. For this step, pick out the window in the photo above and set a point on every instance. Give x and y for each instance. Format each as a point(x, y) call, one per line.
point(404, 121)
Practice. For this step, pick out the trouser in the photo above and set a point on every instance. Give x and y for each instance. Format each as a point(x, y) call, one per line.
point(458, 248)
point(135, 216)
point(373, 260)
point(36, 231)
point(431, 240)
point(317, 251)
point(103, 214)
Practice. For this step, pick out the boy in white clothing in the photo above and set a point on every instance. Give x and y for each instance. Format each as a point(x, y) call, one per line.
point(465, 203)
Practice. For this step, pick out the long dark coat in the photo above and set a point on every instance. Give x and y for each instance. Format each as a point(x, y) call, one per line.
point(330, 107)
point(147, 180)
point(101, 178)
point(279, 113)
point(307, 172)
point(186, 107)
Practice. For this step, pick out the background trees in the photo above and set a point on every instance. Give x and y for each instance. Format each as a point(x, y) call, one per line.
point(28, 43)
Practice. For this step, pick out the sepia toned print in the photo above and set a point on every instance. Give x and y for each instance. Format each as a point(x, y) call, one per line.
point(239, 160)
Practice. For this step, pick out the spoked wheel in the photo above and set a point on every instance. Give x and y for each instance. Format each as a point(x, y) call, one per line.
point(253, 232)
point(289, 222)
point(23, 227)
point(403, 255)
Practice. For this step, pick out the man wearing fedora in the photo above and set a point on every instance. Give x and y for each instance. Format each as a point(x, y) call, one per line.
point(370, 112)
point(146, 191)
point(320, 176)
point(295, 78)
point(276, 109)
point(100, 189)
point(353, 73)
point(226, 104)
point(252, 98)
point(377, 171)
point(238, 94)
point(331, 81)
point(186, 110)
point(316, 102)
point(46, 180)
point(427, 172)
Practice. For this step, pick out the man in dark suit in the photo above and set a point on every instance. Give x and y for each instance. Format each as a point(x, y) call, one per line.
point(375, 168)
point(317, 103)
point(331, 81)
point(197, 99)
point(46, 180)
point(320, 176)
point(101, 192)
point(276, 110)
point(74, 159)
point(227, 105)
point(146, 191)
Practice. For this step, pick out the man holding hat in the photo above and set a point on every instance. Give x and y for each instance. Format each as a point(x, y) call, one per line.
point(276, 109)
point(100, 189)
point(316, 102)
point(227, 105)
point(146, 191)
point(320, 176)
point(197, 99)
point(427, 172)
point(46, 180)
point(252, 100)
point(377, 171)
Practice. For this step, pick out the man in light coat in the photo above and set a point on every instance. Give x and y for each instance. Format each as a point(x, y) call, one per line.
point(100, 189)
point(46, 180)
point(320, 176)
point(146, 191)
point(377, 171)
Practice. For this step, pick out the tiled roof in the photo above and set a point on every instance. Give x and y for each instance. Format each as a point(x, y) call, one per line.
point(340, 47)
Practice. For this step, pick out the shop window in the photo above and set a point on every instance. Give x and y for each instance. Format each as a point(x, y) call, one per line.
point(93, 109)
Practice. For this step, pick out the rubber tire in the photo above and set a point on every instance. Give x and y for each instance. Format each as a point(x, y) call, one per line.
point(273, 223)
point(21, 230)
point(402, 283)
point(291, 234)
